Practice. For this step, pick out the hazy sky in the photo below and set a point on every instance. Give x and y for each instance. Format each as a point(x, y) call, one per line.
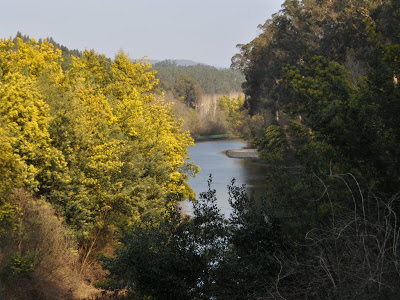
point(206, 31)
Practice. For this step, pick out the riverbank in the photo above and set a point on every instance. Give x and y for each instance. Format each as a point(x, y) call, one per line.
point(215, 137)
point(242, 153)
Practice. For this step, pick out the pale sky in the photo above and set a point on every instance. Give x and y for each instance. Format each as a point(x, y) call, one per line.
point(205, 31)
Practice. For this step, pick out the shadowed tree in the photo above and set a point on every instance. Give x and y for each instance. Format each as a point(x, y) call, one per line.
point(188, 89)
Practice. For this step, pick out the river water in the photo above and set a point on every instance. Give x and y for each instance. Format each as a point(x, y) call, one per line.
point(210, 157)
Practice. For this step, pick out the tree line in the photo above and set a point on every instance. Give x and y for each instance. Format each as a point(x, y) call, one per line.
point(323, 76)
point(211, 80)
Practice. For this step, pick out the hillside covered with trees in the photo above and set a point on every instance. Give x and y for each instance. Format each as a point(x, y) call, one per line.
point(212, 80)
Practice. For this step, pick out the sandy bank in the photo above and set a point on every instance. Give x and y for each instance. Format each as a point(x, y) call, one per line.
point(242, 153)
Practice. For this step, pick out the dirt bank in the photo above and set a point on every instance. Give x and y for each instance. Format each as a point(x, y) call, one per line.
point(242, 153)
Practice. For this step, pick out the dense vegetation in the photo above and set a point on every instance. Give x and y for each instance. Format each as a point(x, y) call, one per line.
point(66, 53)
point(196, 92)
point(212, 114)
point(323, 76)
point(91, 144)
point(210, 79)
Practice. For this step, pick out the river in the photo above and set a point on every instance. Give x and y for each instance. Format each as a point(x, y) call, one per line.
point(210, 157)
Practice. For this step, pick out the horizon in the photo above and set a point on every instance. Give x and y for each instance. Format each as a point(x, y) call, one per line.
point(202, 31)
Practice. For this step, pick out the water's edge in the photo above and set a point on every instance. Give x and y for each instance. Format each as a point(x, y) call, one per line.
point(225, 160)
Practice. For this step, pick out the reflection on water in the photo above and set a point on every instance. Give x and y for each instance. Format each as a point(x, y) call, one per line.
point(210, 157)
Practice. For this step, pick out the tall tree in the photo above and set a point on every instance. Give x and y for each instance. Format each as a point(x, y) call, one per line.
point(187, 89)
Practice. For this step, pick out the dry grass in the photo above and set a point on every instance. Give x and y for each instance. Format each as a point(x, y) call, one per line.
point(55, 267)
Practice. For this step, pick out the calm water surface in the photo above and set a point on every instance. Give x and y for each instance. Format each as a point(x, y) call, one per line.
point(210, 157)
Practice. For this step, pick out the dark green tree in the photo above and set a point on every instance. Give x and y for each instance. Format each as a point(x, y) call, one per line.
point(188, 89)
point(249, 267)
point(157, 261)
point(174, 259)
point(202, 257)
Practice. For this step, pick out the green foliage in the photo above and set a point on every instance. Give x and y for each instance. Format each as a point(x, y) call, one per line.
point(188, 90)
point(21, 265)
point(248, 265)
point(156, 262)
point(333, 70)
point(90, 136)
point(326, 65)
point(235, 114)
point(272, 145)
point(332, 29)
point(174, 259)
point(347, 119)
point(203, 257)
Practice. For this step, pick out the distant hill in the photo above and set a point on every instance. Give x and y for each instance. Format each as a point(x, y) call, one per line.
point(213, 80)
point(178, 62)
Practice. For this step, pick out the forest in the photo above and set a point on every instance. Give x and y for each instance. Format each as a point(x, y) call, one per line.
point(212, 80)
point(204, 97)
point(207, 99)
point(93, 166)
